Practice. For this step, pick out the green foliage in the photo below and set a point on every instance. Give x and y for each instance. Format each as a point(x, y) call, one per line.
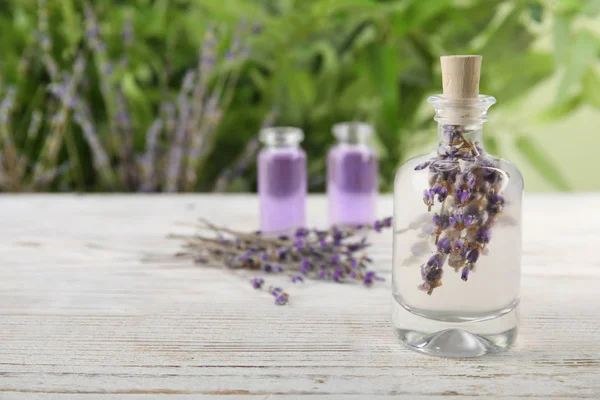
point(311, 62)
point(591, 88)
point(531, 151)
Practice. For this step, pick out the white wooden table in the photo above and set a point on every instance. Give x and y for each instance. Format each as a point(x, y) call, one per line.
point(82, 316)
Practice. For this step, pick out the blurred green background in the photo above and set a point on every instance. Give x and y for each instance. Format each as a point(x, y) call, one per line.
point(168, 95)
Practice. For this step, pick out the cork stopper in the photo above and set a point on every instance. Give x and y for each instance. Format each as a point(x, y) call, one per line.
point(460, 76)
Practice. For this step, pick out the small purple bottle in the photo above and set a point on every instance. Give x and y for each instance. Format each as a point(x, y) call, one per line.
point(352, 174)
point(282, 180)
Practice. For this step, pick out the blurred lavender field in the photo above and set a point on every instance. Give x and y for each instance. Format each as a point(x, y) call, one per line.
point(160, 95)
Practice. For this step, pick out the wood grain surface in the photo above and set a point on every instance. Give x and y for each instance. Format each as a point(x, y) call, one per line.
point(91, 308)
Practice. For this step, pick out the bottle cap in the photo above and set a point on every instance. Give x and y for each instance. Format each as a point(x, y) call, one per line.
point(460, 76)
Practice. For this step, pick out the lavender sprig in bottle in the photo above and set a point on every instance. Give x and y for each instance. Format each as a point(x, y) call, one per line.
point(469, 187)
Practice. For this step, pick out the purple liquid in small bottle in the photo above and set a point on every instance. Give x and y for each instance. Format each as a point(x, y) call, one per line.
point(352, 175)
point(282, 181)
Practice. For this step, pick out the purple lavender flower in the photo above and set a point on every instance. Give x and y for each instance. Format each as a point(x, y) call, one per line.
point(305, 266)
point(276, 291)
point(245, 255)
point(297, 278)
point(425, 287)
point(149, 183)
point(268, 268)
point(456, 218)
point(471, 182)
point(437, 260)
point(422, 166)
point(444, 245)
point(495, 203)
point(282, 253)
point(465, 273)
point(442, 194)
point(495, 198)
point(485, 167)
point(323, 273)
point(483, 236)
point(338, 274)
point(369, 277)
point(257, 283)
point(441, 222)
point(387, 222)
point(337, 240)
point(336, 233)
point(281, 300)
point(473, 255)
point(354, 247)
point(462, 196)
point(335, 259)
point(495, 178)
point(299, 244)
point(461, 247)
point(451, 133)
point(431, 272)
point(428, 198)
point(301, 232)
point(100, 158)
point(353, 263)
point(377, 226)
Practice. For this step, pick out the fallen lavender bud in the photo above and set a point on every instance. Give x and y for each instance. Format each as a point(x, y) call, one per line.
point(281, 300)
point(257, 283)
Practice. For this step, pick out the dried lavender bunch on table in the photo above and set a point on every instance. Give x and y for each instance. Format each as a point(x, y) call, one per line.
point(336, 254)
point(469, 187)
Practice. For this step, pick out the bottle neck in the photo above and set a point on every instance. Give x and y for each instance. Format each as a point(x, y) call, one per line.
point(460, 124)
point(456, 139)
point(353, 133)
point(282, 137)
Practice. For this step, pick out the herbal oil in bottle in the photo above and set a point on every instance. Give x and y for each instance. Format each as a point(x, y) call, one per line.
point(457, 233)
point(352, 175)
point(282, 180)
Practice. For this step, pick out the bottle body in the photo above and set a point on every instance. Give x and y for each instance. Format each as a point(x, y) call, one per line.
point(457, 248)
point(352, 176)
point(282, 181)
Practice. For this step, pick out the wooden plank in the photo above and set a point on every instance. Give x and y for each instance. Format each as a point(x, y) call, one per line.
point(82, 315)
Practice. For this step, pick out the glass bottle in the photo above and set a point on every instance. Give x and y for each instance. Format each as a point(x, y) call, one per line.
point(457, 240)
point(282, 180)
point(352, 175)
